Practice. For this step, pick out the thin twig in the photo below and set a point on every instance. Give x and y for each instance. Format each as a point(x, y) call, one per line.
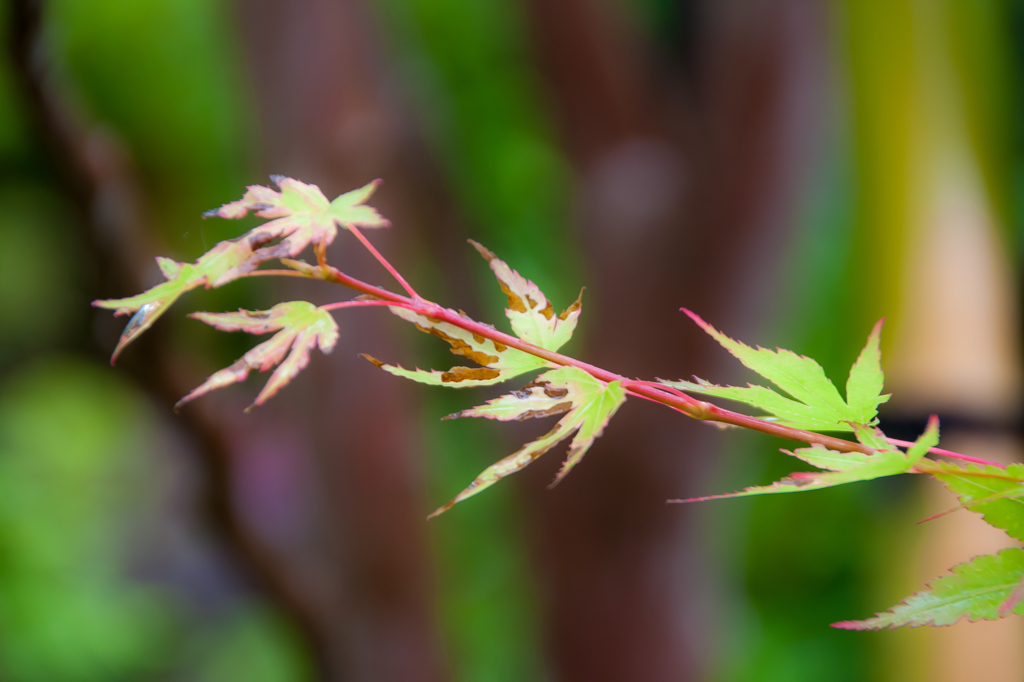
point(948, 453)
point(383, 261)
point(360, 304)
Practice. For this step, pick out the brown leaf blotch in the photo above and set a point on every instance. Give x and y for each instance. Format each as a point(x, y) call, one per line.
point(499, 346)
point(557, 409)
point(533, 303)
point(556, 392)
point(478, 338)
point(514, 302)
point(460, 347)
point(548, 311)
point(457, 374)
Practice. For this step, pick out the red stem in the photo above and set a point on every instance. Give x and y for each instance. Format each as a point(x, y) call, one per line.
point(359, 304)
point(948, 453)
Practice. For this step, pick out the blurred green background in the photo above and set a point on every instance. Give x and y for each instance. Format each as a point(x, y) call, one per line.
point(779, 166)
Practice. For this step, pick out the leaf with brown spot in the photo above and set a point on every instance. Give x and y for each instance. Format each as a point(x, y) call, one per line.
point(497, 361)
point(301, 214)
point(588, 402)
point(530, 312)
point(299, 325)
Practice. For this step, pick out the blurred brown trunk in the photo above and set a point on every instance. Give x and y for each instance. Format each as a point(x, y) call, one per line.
point(325, 115)
point(687, 187)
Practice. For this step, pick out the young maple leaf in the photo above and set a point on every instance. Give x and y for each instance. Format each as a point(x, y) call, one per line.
point(497, 361)
point(815, 404)
point(302, 216)
point(995, 493)
point(302, 326)
point(181, 277)
point(588, 403)
point(533, 320)
point(845, 467)
point(531, 314)
point(985, 588)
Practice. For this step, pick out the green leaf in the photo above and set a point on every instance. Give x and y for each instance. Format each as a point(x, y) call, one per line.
point(815, 403)
point(845, 467)
point(302, 216)
point(784, 411)
point(984, 588)
point(497, 361)
point(997, 494)
point(588, 403)
point(300, 326)
point(531, 314)
point(181, 277)
point(864, 387)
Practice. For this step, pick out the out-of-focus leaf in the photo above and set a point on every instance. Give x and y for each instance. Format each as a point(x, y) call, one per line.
point(997, 494)
point(588, 402)
point(302, 216)
point(302, 326)
point(984, 588)
point(846, 467)
point(531, 314)
point(497, 361)
point(815, 404)
point(209, 270)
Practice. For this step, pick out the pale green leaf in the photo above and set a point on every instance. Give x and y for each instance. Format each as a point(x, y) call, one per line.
point(181, 277)
point(588, 403)
point(984, 588)
point(301, 216)
point(300, 326)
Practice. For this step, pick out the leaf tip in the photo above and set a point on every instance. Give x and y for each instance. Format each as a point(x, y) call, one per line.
point(377, 363)
point(482, 250)
point(696, 318)
point(440, 510)
point(850, 625)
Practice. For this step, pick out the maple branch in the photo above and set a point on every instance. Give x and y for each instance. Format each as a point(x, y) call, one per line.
point(691, 407)
point(648, 390)
point(382, 260)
